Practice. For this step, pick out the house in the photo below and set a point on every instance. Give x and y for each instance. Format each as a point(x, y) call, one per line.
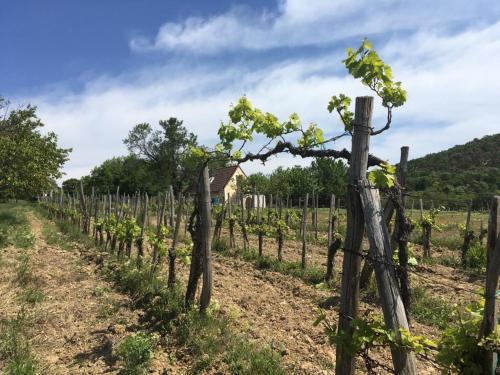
point(223, 182)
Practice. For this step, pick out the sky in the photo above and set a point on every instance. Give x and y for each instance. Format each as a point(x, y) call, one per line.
point(96, 68)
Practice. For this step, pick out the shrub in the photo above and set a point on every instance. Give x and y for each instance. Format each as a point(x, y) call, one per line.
point(135, 352)
point(476, 256)
point(246, 358)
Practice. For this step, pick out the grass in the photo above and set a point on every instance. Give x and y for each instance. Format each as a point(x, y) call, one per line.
point(311, 274)
point(108, 308)
point(430, 310)
point(14, 226)
point(32, 295)
point(14, 345)
point(54, 237)
point(210, 340)
point(24, 276)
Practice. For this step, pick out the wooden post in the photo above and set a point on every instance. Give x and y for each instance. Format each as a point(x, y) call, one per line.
point(243, 224)
point(140, 240)
point(161, 215)
point(304, 231)
point(490, 317)
point(349, 297)
point(468, 236)
point(389, 208)
point(205, 239)
point(171, 210)
point(83, 207)
point(171, 251)
point(331, 250)
point(482, 232)
point(316, 208)
point(392, 305)
point(403, 228)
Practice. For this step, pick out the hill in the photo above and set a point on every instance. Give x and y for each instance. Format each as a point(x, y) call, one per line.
point(461, 173)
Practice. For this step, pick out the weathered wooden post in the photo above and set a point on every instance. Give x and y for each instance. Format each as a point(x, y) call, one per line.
point(468, 237)
point(349, 297)
point(172, 209)
point(490, 316)
point(333, 246)
point(205, 239)
point(304, 231)
point(161, 215)
point(83, 208)
point(140, 240)
point(172, 249)
point(392, 305)
point(316, 209)
point(243, 223)
point(232, 242)
point(201, 256)
point(403, 229)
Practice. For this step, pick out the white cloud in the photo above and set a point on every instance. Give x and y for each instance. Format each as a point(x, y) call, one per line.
point(309, 23)
point(451, 82)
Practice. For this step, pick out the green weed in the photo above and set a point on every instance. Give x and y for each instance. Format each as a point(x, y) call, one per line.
point(135, 352)
point(430, 310)
point(14, 346)
point(31, 295)
point(477, 256)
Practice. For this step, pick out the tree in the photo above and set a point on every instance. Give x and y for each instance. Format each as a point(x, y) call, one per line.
point(258, 182)
point(167, 150)
point(71, 186)
point(30, 162)
point(331, 175)
point(130, 173)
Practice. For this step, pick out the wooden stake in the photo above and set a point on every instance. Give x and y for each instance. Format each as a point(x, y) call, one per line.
point(392, 305)
point(490, 317)
point(349, 297)
point(304, 231)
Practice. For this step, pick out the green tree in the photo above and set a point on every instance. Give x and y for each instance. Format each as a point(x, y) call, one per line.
point(71, 186)
point(130, 173)
point(258, 181)
point(331, 176)
point(30, 162)
point(167, 149)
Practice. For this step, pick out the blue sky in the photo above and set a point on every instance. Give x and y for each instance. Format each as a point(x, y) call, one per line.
point(97, 68)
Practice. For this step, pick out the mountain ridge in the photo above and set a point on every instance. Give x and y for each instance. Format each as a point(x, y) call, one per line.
point(460, 173)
